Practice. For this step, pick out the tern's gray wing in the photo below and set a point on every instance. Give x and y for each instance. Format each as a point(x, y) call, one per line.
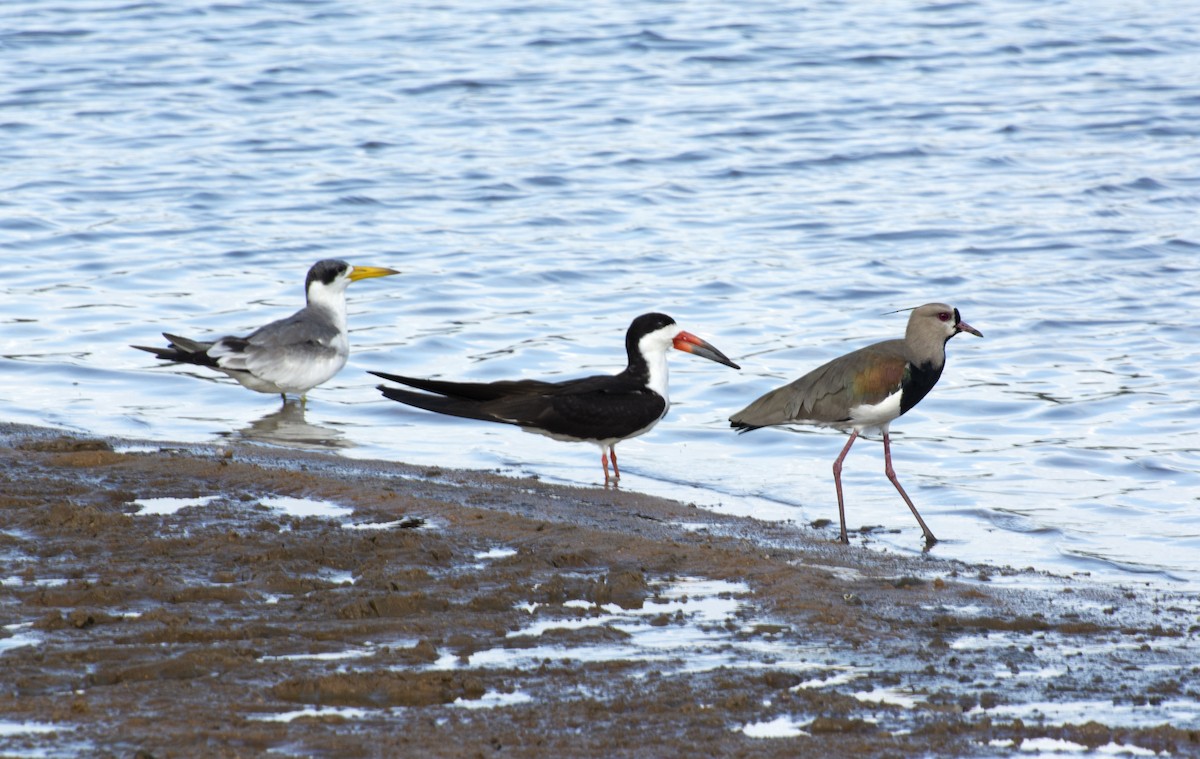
point(308, 326)
point(296, 353)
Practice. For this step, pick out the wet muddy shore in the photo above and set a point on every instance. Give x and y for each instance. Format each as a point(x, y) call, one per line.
point(236, 600)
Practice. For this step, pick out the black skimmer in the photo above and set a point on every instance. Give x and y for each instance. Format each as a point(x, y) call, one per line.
point(604, 409)
point(291, 355)
point(866, 389)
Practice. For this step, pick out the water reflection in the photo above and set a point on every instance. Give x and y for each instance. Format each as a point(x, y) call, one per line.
point(287, 426)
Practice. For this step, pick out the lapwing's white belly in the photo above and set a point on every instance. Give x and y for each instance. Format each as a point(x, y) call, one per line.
point(867, 416)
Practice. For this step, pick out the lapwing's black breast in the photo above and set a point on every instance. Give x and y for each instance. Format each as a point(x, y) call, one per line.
point(919, 379)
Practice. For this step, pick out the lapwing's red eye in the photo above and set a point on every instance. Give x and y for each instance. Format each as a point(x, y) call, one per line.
point(944, 316)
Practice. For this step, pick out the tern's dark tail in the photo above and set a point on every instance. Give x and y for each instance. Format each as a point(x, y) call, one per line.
point(182, 350)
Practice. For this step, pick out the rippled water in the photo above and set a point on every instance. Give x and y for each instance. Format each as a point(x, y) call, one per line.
point(776, 176)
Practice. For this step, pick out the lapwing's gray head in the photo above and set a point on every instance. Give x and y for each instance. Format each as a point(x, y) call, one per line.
point(936, 322)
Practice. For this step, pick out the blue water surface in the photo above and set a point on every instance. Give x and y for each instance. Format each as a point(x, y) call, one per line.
point(778, 176)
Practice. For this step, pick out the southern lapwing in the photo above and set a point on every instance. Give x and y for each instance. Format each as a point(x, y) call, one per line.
point(603, 409)
point(866, 389)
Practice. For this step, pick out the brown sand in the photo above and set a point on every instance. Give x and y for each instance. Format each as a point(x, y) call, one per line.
point(183, 634)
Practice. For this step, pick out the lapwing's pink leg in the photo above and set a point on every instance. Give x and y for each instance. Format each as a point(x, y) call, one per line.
point(891, 475)
point(837, 481)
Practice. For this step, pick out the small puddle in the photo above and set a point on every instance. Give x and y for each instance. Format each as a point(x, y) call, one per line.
point(889, 696)
point(493, 699)
point(348, 654)
point(305, 507)
point(316, 712)
point(780, 727)
point(136, 448)
point(336, 576)
point(12, 727)
point(19, 638)
point(299, 508)
point(496, 553)
point(17, 581)
point(168, 506)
